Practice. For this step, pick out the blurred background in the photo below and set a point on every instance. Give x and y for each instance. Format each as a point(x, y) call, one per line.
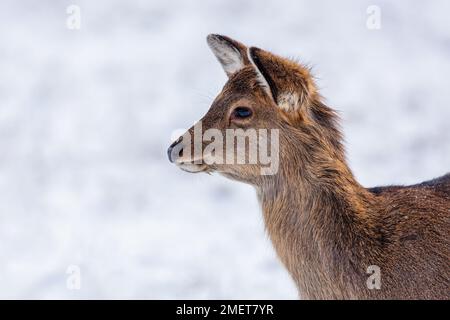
point(86, 116)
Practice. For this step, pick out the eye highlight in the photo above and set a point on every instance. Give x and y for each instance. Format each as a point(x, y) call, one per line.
point(242, 113)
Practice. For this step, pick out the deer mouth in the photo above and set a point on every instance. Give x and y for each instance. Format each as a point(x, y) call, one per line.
point(188, 164)
point(192, 167)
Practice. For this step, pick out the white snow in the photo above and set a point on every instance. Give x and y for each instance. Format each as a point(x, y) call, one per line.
point(86, 117)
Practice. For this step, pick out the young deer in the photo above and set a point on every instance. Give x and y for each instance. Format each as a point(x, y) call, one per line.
point(327, 229)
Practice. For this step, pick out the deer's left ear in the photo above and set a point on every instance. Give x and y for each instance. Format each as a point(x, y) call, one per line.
point(288, 83)
point(231, 54)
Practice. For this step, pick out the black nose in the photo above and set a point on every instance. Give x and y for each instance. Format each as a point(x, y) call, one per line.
point(175, 148)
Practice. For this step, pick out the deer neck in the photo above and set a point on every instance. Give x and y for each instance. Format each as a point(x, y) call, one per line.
point(319, 221)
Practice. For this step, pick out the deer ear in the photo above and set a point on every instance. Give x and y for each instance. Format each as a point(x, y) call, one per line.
point(231, 54)
point(289, 84)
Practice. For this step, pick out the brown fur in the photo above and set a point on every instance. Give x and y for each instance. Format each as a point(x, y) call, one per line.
point(325, 227)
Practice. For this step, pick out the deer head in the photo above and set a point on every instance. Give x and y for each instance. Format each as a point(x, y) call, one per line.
point(267, 101)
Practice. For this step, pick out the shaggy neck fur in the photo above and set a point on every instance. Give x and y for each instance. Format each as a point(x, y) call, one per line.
point(319, 218)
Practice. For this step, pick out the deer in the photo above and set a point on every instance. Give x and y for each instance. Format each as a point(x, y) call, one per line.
point(330, 233)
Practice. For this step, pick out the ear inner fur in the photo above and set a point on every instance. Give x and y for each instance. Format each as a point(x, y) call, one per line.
point(230, 53)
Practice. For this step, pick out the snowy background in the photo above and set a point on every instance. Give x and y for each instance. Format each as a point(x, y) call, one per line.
point(86, 117)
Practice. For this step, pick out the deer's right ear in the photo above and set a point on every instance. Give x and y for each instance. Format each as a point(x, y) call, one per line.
point(231, 54)
point(289, 84)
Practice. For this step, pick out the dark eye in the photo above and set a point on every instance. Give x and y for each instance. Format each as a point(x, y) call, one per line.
point(242, 112)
